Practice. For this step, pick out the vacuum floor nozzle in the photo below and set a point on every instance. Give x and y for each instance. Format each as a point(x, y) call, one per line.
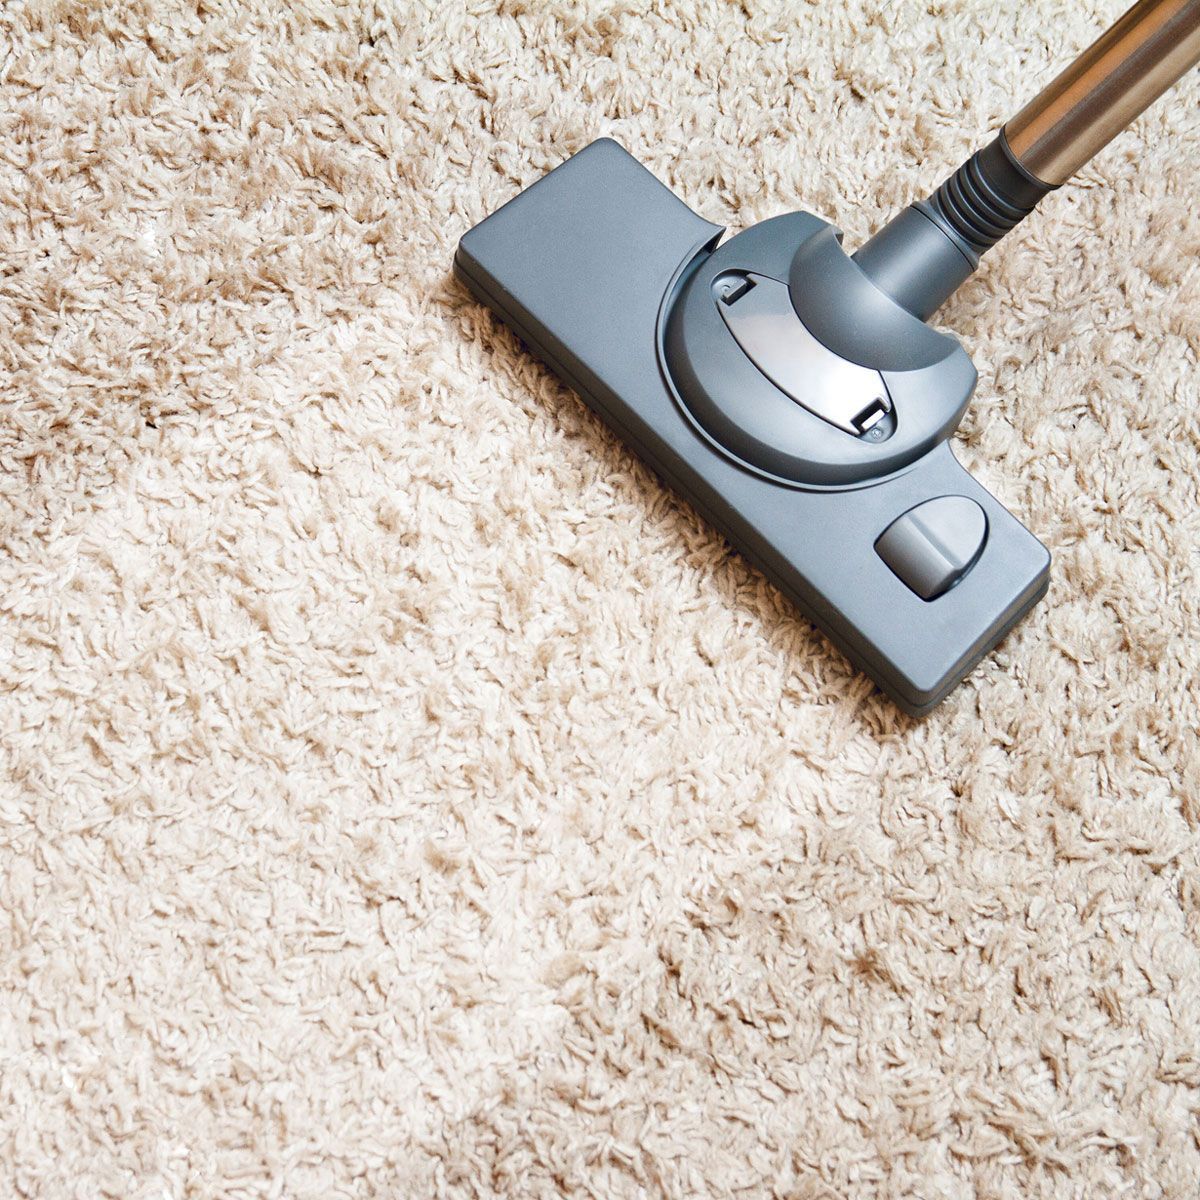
point(823, 459)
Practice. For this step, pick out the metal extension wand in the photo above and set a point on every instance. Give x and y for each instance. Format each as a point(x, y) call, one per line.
point(922, 255)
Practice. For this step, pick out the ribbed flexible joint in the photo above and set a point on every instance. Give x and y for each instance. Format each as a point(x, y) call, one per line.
point(922, 255)
point(987, 196)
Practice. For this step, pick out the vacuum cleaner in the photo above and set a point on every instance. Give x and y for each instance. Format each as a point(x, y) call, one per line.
point(794, 392)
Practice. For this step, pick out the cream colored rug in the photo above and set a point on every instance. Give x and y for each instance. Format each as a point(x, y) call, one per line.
point(404, 795)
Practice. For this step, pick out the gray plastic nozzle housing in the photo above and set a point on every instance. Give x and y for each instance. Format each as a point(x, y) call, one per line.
point(911, 568)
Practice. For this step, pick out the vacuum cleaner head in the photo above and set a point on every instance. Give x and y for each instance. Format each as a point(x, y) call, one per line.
point(831, 473)
point(791, 392)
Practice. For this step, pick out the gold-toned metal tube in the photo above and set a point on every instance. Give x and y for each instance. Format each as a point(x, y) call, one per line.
point(1105, 88)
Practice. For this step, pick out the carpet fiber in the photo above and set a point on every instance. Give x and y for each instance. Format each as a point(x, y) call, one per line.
point(404, 795)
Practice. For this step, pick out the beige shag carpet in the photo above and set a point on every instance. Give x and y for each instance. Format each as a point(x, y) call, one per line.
point(403, 795)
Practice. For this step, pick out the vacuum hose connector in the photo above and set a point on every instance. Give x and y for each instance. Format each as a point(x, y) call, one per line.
point(921, 256)
point(988, 195)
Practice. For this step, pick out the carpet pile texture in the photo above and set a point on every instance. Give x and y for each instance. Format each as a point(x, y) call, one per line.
point(402, 794)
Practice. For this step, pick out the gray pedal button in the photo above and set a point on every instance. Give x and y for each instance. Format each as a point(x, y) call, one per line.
point(931, 547)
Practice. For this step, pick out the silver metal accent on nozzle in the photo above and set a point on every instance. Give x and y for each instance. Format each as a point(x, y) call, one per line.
point(759, 313)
